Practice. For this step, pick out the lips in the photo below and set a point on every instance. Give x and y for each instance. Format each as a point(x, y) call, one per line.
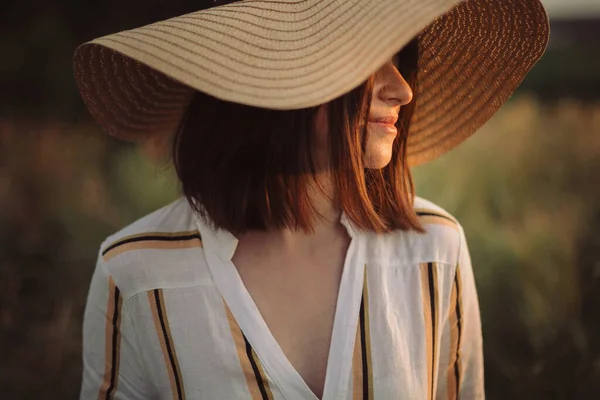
point(384, 124)
point(390, 120)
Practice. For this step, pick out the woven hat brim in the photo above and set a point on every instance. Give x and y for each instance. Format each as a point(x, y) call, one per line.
point(297, 54)
point(468, 69)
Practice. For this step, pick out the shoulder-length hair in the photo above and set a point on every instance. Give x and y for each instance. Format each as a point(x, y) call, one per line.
point(247, 168)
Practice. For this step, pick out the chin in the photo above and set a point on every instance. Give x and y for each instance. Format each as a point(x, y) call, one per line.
point(378, 161)
point(379, 151)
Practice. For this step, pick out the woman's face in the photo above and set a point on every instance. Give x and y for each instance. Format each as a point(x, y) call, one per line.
point(390, 93)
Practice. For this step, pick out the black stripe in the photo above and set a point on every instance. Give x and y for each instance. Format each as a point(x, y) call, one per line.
point(174, 365)
point(433, 334)
point(259, 380)
point(151, 237)
point(458, 322)
point(115, 338)
point(363, 345)
point(431, 214)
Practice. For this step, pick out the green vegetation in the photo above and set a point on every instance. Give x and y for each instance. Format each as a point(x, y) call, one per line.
point(526, 188)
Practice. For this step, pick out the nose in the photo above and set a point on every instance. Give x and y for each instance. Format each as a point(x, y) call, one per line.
point(391, 87)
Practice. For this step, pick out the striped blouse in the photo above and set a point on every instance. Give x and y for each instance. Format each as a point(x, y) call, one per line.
point(168, 317)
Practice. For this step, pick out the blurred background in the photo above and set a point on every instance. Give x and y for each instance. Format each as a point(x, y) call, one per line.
point(526, 188)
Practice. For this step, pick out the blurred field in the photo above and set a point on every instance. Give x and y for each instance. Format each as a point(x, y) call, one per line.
point(526, 188)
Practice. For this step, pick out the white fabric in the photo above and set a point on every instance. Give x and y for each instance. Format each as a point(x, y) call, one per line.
point(199, 284)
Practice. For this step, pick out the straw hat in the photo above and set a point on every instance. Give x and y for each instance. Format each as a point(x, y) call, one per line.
point(302, 53)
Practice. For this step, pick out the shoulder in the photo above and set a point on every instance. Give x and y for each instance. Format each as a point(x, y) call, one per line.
point(443, 237)
point(432, 214)
point(441, 242)
point(174, 221)
point(153, 251)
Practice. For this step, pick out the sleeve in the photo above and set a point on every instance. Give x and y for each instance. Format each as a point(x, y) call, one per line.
point(463, 374)
point(112, 367)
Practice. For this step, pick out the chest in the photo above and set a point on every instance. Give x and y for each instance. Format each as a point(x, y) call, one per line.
point(280, 340)
point(297, 301)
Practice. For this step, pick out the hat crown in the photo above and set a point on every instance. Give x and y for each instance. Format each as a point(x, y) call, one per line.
point(302, 53)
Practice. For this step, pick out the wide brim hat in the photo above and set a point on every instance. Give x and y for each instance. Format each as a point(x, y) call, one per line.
point(302, 53)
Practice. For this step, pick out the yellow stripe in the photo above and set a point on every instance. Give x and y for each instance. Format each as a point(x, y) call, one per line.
point(166, 342)
point(368, 337)
point(429, 291)
point(357, 368)
point(438, 327)
point(152, 244)
point(451, 382)
point(427, 322)
point(436, 220)
point(435, 212)
point(112, 348)
point(361, 357)
point(246, 362)
point(263, 376)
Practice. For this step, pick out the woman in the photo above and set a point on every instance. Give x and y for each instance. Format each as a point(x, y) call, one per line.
point(299, 264)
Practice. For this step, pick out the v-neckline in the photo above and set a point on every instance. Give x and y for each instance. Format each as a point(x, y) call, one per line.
point(219, 248)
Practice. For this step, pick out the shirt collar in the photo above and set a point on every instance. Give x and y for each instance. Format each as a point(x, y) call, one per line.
point(224, 243)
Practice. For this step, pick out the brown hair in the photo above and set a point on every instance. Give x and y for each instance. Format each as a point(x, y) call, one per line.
point(245, 168)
